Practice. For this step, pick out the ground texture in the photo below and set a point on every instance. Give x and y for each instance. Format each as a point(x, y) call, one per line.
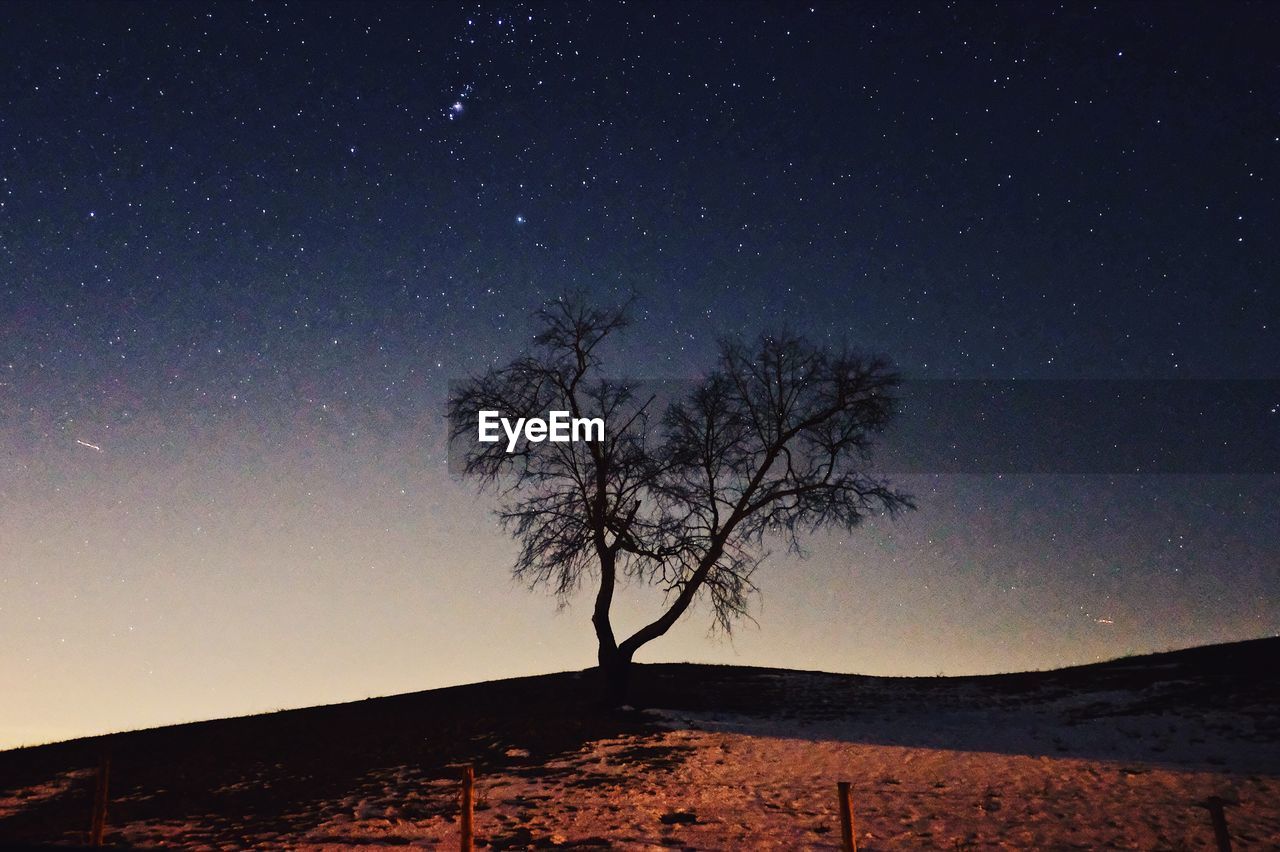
point(1121, 755)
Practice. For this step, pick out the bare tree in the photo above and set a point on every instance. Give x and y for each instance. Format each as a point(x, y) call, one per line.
point(773, 442)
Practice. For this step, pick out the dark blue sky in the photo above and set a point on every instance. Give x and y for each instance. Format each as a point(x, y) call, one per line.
point(244, 247)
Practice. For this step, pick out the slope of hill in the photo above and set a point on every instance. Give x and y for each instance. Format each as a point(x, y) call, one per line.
point(1120, 754)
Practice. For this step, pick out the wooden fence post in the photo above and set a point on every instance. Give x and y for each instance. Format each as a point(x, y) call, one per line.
point(466, 808)
point(98, 820)
point(847, 842)
point(1219, 817)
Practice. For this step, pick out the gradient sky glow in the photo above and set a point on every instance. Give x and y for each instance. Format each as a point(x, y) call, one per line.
point(245, 247)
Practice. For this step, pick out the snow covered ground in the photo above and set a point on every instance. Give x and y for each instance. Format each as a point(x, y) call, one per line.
point(934, 764)
point(745, 791)
point(15, 801)
point(731, 781)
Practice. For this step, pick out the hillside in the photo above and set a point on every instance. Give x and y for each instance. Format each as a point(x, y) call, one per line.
point(1120, 754)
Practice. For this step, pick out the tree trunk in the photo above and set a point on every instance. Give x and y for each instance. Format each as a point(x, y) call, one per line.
point(615, 677)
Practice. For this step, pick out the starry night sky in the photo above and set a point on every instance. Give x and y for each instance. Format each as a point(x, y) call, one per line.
point(245, 247)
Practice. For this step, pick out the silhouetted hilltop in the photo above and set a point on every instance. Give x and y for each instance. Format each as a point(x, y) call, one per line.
point(269, 775)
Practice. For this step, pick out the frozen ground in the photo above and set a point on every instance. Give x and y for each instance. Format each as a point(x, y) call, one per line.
point(727, 781)
point(1119, 761)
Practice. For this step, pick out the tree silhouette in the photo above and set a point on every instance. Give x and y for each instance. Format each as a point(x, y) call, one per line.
point(772, 443)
